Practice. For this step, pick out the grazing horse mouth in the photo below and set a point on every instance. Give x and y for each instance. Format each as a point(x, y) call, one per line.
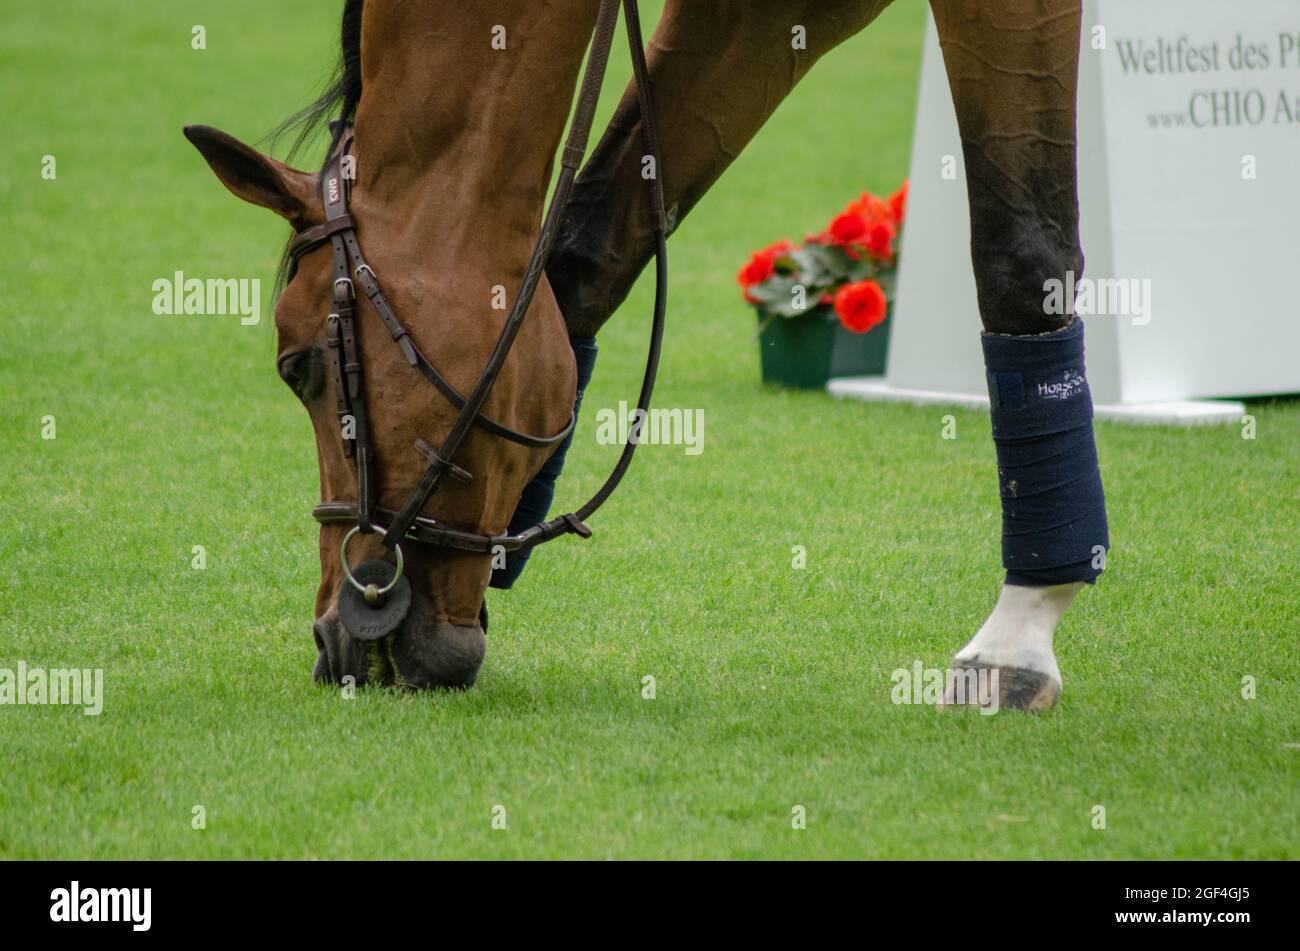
point(424, 652)
point(374, 605)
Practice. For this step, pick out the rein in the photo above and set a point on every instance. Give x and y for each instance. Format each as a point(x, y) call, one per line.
point(350, 269)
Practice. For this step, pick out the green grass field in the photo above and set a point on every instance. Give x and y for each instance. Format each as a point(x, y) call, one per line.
point(772, 684)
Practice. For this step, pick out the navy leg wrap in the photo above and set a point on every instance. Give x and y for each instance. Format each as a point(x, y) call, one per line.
point(535, 501)
point(1053, 510)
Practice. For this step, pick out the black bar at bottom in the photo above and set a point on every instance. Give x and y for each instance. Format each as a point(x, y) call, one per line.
point(930, 900)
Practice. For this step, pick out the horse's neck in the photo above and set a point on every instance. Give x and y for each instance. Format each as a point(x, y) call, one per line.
point(455, 137)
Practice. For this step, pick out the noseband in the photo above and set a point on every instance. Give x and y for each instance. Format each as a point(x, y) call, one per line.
point(351, 269)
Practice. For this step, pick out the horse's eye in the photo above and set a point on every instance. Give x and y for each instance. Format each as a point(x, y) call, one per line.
point(304, 372)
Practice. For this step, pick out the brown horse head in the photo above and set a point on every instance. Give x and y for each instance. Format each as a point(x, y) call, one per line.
point(452, 162)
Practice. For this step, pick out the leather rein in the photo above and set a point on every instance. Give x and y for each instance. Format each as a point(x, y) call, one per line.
point(344, 357)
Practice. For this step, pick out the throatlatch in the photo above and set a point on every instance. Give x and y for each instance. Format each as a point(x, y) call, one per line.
point(1054, 528)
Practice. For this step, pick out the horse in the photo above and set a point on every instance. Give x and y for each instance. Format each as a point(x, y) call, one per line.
point(454, 122)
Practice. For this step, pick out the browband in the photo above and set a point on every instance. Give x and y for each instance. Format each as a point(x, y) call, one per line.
point(313, 237)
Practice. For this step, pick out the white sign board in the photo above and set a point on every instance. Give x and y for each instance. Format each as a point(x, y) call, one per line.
point(1189, 167)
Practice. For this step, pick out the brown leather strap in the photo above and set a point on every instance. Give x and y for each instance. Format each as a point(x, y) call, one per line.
point(335, 358)
point(345, 354)
point(344, 227)
point(377, 299)
point(313, 237)
point(649, 132)
point(579, 131)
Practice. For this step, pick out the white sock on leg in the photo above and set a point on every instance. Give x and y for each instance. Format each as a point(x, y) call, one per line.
point(1019, 631)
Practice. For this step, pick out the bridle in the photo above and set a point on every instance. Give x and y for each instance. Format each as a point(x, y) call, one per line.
point(344, 357)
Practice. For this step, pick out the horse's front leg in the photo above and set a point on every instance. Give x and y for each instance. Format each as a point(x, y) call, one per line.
point(1013, 70)
point(718, 70)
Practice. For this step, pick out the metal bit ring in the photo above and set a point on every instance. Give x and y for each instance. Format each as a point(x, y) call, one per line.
point(370, 592)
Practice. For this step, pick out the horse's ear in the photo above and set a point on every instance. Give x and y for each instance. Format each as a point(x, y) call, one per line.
point(255, 177)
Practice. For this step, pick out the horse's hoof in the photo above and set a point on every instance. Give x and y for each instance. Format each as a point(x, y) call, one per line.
point(1018, 688)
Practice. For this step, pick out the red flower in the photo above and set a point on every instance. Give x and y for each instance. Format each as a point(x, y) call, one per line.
point(898, 203)
point(880, 239)
point(848, 228)
point(761, 266)
point(758, 270)
point(870, 208)
point(861, 306)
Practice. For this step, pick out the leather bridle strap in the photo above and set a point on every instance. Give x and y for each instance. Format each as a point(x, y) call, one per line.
point(574, 150)
point(344, 226)
point(344, 358)
point(650, 136)
point(370, 286)
point(310, 238)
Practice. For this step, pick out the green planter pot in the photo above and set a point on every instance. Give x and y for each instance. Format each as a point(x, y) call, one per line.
point(806, 351)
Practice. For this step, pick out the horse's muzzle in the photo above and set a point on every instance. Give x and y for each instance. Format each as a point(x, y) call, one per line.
point(423, 651)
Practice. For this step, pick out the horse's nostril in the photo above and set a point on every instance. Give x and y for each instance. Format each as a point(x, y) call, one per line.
point(441, 655)
point(322, 671)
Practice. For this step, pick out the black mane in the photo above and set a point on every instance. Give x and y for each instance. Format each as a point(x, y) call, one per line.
point(338, 101)
point(341, 95)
